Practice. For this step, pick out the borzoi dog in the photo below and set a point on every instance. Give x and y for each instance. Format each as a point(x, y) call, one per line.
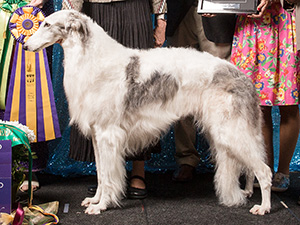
point(125, 98)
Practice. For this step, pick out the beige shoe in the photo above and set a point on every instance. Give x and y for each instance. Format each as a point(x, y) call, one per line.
point(280, 182)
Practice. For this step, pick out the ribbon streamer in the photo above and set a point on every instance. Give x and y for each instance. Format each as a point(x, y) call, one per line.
point(7, 7)
point(19, 216)
point(30, 98)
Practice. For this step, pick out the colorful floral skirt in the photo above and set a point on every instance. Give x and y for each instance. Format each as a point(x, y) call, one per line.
point(265, 50)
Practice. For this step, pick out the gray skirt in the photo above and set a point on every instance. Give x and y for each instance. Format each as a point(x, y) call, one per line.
point(130, 23)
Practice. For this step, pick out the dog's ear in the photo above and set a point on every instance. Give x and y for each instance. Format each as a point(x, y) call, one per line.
point(77, 24)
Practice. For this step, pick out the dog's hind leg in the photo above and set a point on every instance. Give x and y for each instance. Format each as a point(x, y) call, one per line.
point(247, 147)
point(251, 154)
point(111, 171)
point(235, 140)
point(263, 174)
point(248, 152)
point(226, 179)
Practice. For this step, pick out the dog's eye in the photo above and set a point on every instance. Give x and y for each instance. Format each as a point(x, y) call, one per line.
point(47, 24)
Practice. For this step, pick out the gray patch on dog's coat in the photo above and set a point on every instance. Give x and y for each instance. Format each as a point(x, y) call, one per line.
point(240, 86)
point(79, 24)
point(160, 87)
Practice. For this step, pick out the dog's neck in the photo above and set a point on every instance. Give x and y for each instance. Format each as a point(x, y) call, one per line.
point(104, 47)
point(100, 52)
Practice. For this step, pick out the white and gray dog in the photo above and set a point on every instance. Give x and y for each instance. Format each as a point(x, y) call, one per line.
point(125, 98)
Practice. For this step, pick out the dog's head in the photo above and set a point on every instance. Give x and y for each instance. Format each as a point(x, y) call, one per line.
point(57, 28)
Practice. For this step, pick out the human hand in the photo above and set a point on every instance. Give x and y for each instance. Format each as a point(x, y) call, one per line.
point(209, 14)
point(38, 3)
point(160, 32)
point(261, 8)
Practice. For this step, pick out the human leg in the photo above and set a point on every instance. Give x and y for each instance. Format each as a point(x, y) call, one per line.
point(186, 154)
point(185, 138)
point(184, 130)
point(289, 131)
point(268, 135)
point(137, 188)
point(40, 149)
point(34, 183)
point(190, 33)
point(138, 170)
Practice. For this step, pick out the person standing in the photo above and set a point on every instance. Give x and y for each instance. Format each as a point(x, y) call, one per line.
point(187, 28)
point(130, 23)
point(265, 49)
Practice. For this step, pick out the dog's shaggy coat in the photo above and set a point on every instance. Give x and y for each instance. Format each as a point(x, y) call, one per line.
point(124, 99)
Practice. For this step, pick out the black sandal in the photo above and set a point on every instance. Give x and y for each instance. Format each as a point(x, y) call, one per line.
point(137, 193)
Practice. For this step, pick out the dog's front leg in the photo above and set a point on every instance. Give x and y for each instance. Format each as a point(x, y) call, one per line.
point(96, 199)
point(249, 184)
point(111, 171)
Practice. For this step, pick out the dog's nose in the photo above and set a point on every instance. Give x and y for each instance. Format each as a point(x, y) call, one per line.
point(25, 47)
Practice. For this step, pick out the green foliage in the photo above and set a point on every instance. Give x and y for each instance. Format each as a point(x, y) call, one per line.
point(19, 163)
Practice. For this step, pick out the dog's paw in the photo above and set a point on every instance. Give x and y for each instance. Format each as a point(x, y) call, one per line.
point(259, 210)
point(87, 201)
point(95, 209)
point(247, 193)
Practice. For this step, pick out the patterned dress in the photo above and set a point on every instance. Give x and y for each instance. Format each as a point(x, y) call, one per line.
point(265, 50)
